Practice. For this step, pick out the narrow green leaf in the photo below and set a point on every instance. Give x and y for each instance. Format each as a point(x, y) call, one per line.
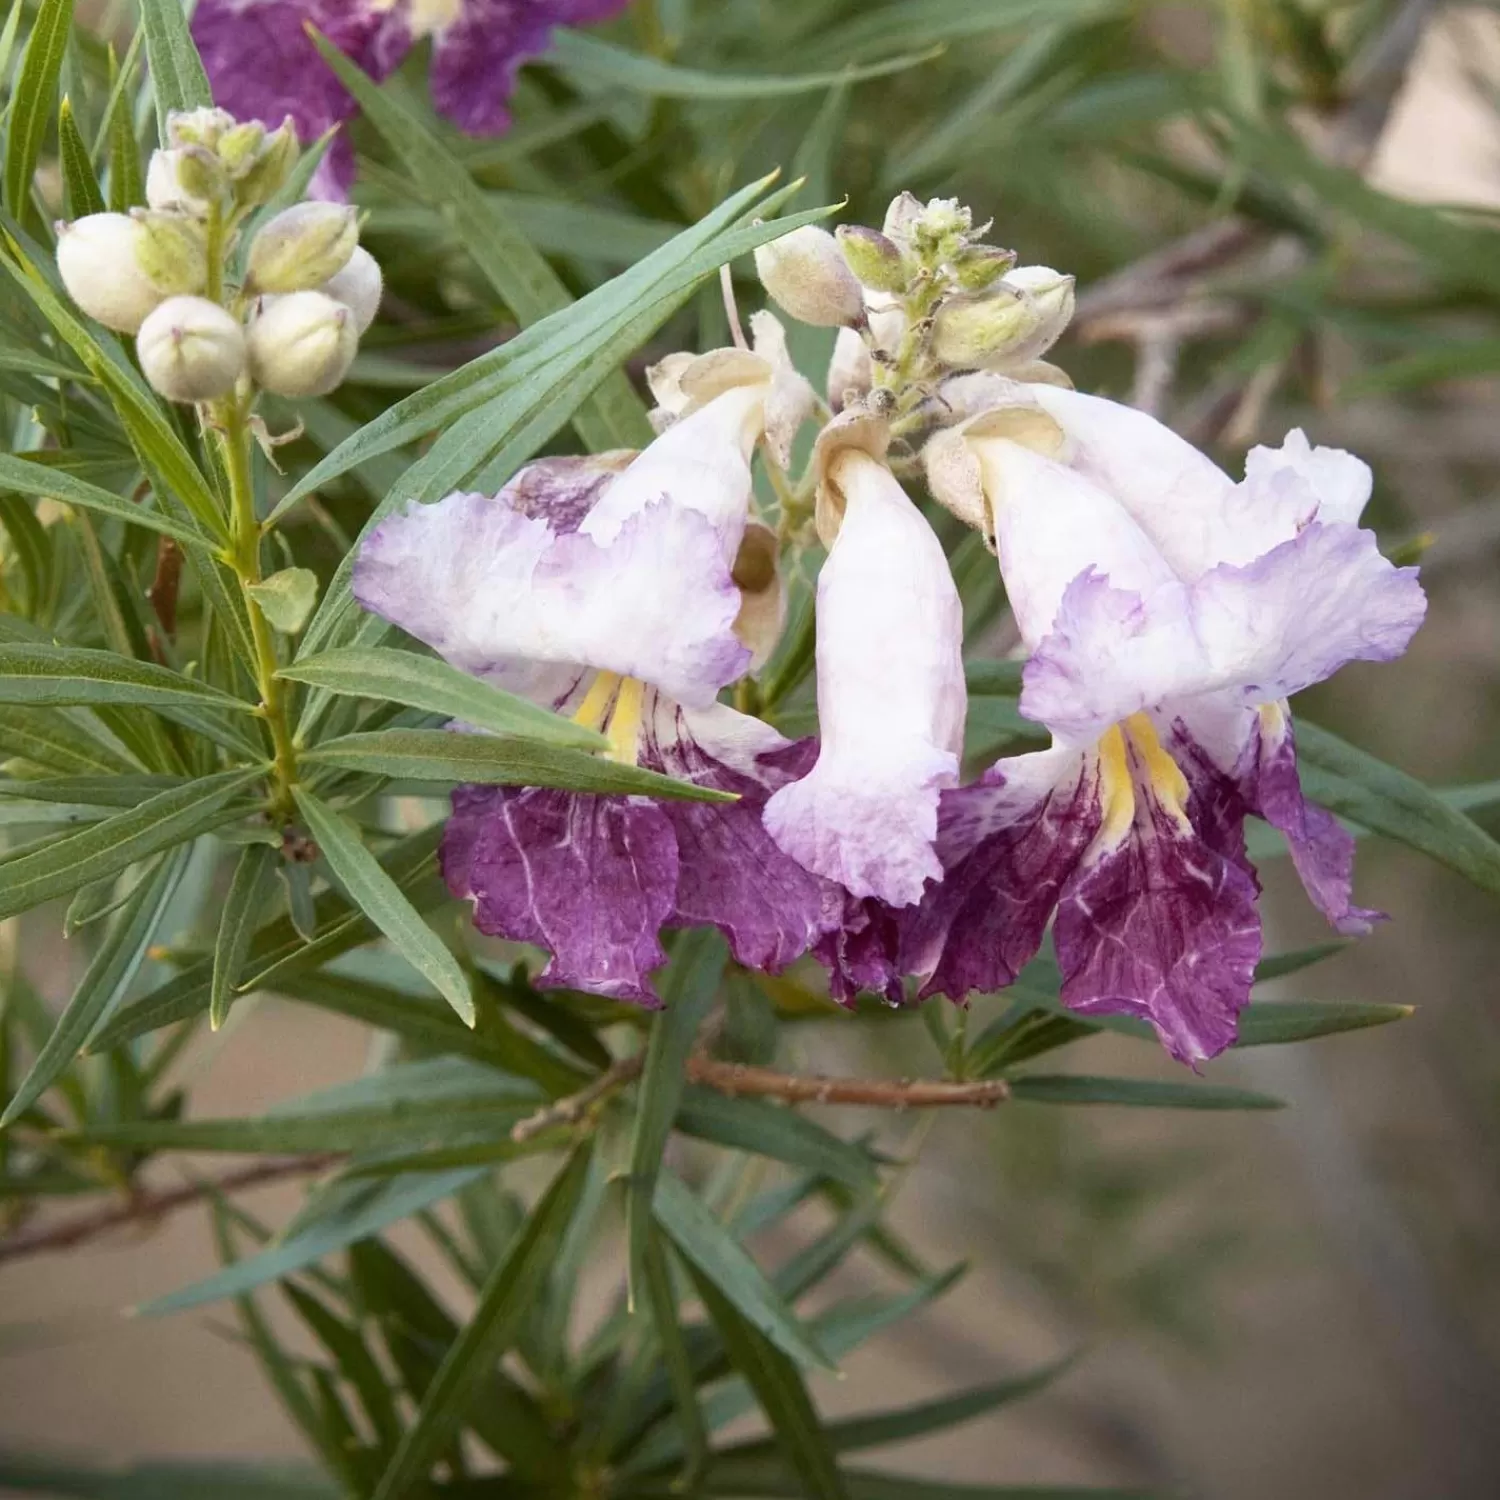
point(442, 755)
point(661, 1303)
point(107, 847)
point(779, 1389)
point(708, 1245)
point(373, 1207)
point(690, 987)
point(163, 1481)
point(382, 900)
point(901, 1425)
point(766, 1129)
point(96, 791)
point(613, 416)
point(60, 676)
point(355, 1362)
point(526, 376)
point(242, 911)
point(1148, 1093)
point(1387, 801)
point(32, 101)
point(177, 76)
point(1279, 965)
point(79, 183)
point(430, 683)
point(114, 965)
point(68, 743)
point(504, 1302)
point(603, 62)
point(280, 950)
point(1272, 1022)
point(126, 189)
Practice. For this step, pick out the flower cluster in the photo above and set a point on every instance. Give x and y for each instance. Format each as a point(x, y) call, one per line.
point(263, 64)
point(290, 325)
point(1167, 613)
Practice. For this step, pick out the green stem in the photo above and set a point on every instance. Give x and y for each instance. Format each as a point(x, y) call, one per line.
point(244, 558)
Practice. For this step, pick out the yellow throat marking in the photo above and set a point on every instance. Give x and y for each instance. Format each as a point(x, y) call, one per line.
point(1125, 750)
point(616, 702)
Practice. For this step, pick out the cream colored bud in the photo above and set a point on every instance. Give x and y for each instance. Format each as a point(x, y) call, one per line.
point(172, 251)
point(185, 179)
point(257, 181)
point(358, 287)
point(901, 217)
point(874, 259)
point(1052, 295)
point(198, 127)
point(301, 344)
point(807, 276)
point(850, 371)
point(979, 267)
point(240, 146)
point(302, 247)
point(97, 257)
point(1019, 319)
point(190, 349)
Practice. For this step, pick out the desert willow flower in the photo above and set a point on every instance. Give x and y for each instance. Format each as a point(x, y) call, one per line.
point(606, 587)
point(1169, 613)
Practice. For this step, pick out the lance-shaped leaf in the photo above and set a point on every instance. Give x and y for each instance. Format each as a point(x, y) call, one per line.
point(383, 901)
point(242, 910)
point(31, 104)
point(429, 683)
point(79, 182)
point(706, 1244)
point(114, 965)
point(1146, 1093)
point(493, 760)
point(689, 989)
point(60, 676)
point(105, 848)
point(779, 1389)
point(504, 1302)
point(177, 76)
point(1387, 801)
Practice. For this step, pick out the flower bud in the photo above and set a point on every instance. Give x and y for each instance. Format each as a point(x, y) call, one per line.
point(259, 180)
point(850, 370)
point(874, 259)
point(171, 252)
point(190, 349)
point(901, 217)
point(358, 287)
point(302, 247)
point(198, 127)
point(1051, 294)
point(806, 274)
point(979, 267)
point(302, 344)
point(185, 178)
point(97, 259)
point(240, 146)
point(1019, 319)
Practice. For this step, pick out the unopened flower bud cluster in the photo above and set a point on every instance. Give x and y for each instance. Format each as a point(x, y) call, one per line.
point(918, 301)
point(291, 326)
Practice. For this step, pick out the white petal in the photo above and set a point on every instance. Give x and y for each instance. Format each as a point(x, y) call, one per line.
point(1177, 495)
point(891, 697)
point(700, 463)
point(1340, 483)
point(1053, 524)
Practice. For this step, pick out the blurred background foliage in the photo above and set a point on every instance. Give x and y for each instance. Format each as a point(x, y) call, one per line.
point(1280, 212)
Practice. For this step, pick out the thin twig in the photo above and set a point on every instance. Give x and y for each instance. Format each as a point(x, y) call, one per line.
point(732, 308)
point(146, 1207)
point(879, 1093)
point(571, 1109)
